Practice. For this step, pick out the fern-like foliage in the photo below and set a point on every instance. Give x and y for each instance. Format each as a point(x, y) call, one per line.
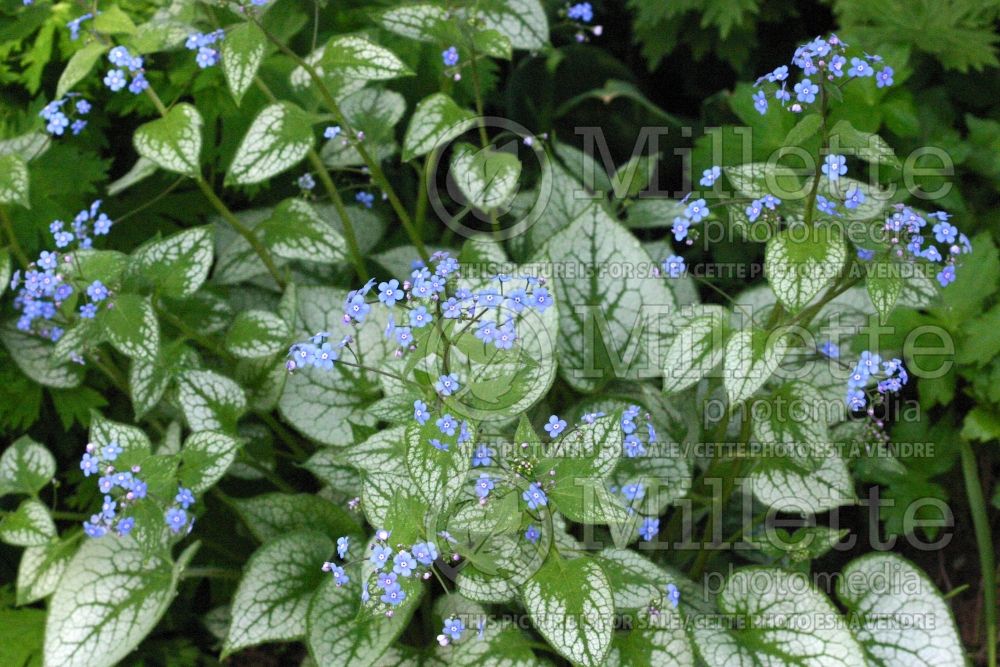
point(961, 34)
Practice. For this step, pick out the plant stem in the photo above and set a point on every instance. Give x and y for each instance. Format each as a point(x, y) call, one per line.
point(984, 542)
point(209, 572)
point(811, 201)
point(242, 230)
point(15, 245)
point(338, 204)
point(69, 516)
point(373, 165)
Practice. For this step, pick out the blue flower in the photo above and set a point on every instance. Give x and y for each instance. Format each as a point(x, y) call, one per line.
point(450, 56)
point(420, 412)
point(535, 497)
point(119, 56)
point(357, 309)
point(88, 311)
point(884, 77)
point(454, 627)
point(770, 201)
point(649, 529)
point(102, 225)
point(94, 529)
point(486, 331)
point(855, 197)
point(855, 399)
point(111, 451)
point(437, 444)
point(555, 426)
point(176, 518)
point(338, 575)
point(425, 552)
point(680, 228)
point(633, 446)
point(389, 292)
point(541, 299)
point(484, 485)
point(834, 167)
point(114, 79)
point(342, 545)
point(105, 484)
point(89, 465)
point(860, 68)
point(138, 84)
point(944, 232)
point(760, 101)
point(404, 564)
point(394, 596)
point(403, 335)
point(366, 199)
point(331, 132)
point(805, 91)
point(673, 595)
point(931, 254)
point(447, 424)
point(207, 57)
point(830, 349)
point(306, 182)
point(447, 385)
point(108, 508)
point(866, 255)
point(97, 291)
point(184, 497)
point(419, 317)
point(710, 176)
point(532, 534)
point(387, 581)
point(125, 526)
point(380, 557)
point(482, 456)
point(754, 210)
point(946, 276)
point(674, 266)
point(696, 210)
point(826, 206)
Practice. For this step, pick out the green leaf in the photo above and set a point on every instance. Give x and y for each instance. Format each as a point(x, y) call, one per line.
point(174, 141)
point(28, 526)
point(493, 43)
point(845, 139)
point(439, 475)
point(804, 130)
point(111, 596)
point(14, 180)
point(257, 333)
point(800, 263)
point(614, 310)
point(374, 111)
point(799, 470)
point(42, 568)
point(981, 424)
point(131, 439)
point(697, 347)
point(884, 284)
point(337, 634)
point(33, 355)
point(571, 605)
point(756, 179)
point(79, 67)
point(205, 458)
point(884, 593)
point(242, 52)
point(634, 579)
point(270, 515)
point(6, 269)
point(523, 22)
point(177, 265)
point(113, 21)
point(487, 178)
point(278, 139)
point(436, 121)
point(273, 596)
point(418, 21)
point(296, 231)
point(25, 467)
point(751, 358)
point(210, 401)
point(662, 642)
point(353, 57)
point(130, 325)
point(775, 617)
point(22, 632)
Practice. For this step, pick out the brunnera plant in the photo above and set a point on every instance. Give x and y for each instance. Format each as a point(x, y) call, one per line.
point(484, 446)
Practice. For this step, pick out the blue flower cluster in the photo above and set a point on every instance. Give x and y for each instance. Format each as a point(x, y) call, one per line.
point(583, 14)
point(390, 564)
point(43, 288)
point(758, 206)
point(819, 58)
point(636, 439)
point(58, 116)
point(121, 489)
point(125, 65)
point(450, 56)
point(890, 376)
point(208, 55)
point(906, 237)
point(446, 424)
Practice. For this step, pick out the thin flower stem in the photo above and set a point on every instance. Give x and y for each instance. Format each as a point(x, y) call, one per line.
point(15, 245)
point(243, 231)
point(373, 165)
point(984, 542)
point(209, 573)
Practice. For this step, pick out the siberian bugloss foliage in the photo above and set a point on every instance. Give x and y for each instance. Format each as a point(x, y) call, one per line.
point(390, 380)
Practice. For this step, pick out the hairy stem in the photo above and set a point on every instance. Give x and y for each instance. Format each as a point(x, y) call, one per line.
point(984, 543)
